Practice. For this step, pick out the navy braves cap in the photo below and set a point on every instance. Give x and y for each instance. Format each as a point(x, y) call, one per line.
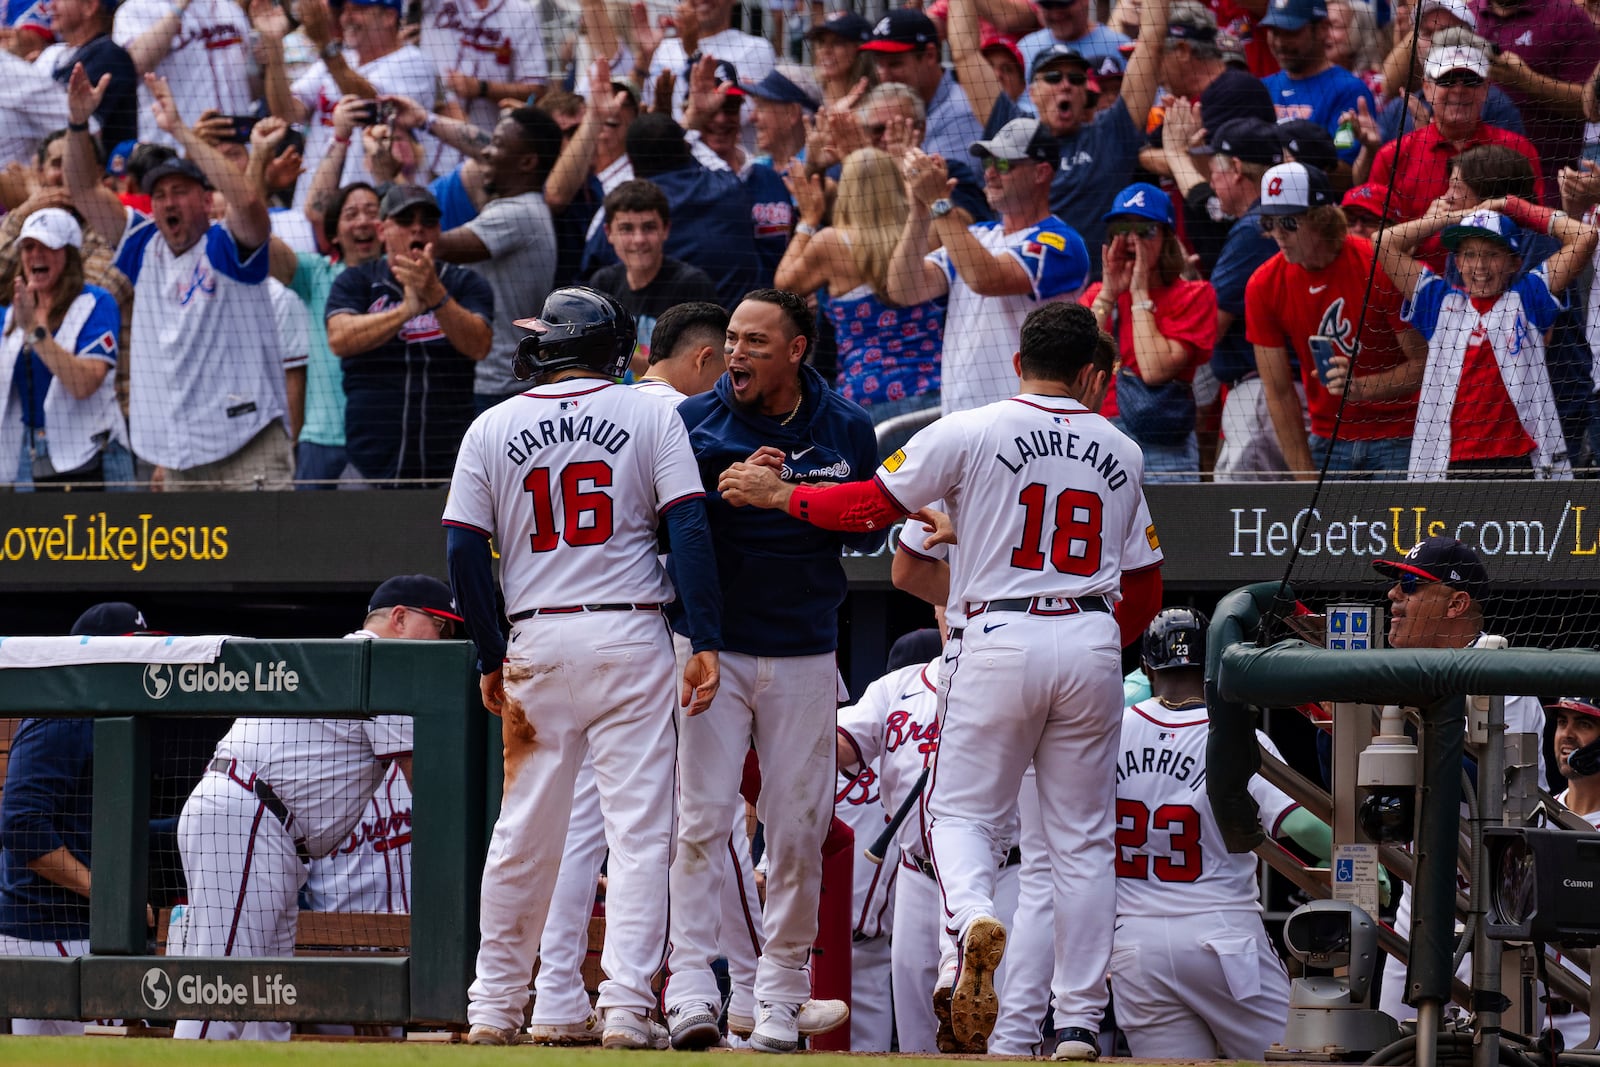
point(780, 90)
point(113, 618)
point(1290, 15)
point(1309, 142)
point(184, 168)
point(397, 198)
point(1440, 559)
point(1057, 53)
point(420, 591)
point(901, 30)
point(1248, 140)
point(843, 24)
point(728, 77)
point(1486, 224)
point(1589, 706)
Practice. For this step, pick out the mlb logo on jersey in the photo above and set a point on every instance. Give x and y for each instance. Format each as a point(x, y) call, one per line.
point(569, 405)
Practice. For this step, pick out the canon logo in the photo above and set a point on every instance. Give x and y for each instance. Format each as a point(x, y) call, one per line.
point(1577, 883)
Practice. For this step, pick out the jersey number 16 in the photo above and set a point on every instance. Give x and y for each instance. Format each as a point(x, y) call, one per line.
point(587, 512)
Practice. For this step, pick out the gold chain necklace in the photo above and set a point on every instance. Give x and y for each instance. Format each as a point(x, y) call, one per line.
point(787, 419)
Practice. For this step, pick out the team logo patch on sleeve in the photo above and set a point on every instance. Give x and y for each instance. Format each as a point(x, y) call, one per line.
point(1150, 536)
point(893, 463)
point(1053, 240)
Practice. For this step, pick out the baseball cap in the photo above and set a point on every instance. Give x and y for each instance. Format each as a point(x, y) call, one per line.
point(1110, 65)
point(728, 77)
point(52, 227)
point(113, 618)
point(1249, 140)
point(1141, 200)
point(1459, 10)
point(780, 90)
point(399, 197)
point(1021, 139)
point(183, 168)
point(1056, 53)
point(901, 30)
point(1370, 198)
point(1589, 706)
point(1309, 142)
point(1481, 223)
point(419, 591)
point(1192, 24)
point(920, 646)
point(1290, 15)
point(117, 161)
point(1440, 559)
point(1006, 43)
point(1442, 61)
point(1293, 189)
point(846, 25)
point(393, 5)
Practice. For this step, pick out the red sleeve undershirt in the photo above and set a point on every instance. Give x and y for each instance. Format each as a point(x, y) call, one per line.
point(1141, 599)
point(850, 507)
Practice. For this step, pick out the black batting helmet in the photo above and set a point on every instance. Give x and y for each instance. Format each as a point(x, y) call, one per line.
point(1176, 637)
point(579, 328)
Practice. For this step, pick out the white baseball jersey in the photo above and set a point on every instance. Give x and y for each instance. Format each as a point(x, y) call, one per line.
point(371, 868)
point(912, 538)
point(857, 802)
point(403, 72)
point(211, 374)
point(208, 65)
point(1045, 495)
point(1171, 860)
point(581, 464)
point(498, 42)
point(751, 56)
point(659, 388)
point(895, 729)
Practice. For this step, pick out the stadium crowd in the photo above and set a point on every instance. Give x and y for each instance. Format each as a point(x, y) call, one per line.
point(285, 245)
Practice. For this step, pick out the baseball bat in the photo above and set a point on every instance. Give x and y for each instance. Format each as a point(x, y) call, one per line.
point(880, 848)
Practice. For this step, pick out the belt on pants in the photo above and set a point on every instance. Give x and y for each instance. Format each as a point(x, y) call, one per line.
point(263, 792)
point(1050, 607)
point(925, 865)
point(580, 608)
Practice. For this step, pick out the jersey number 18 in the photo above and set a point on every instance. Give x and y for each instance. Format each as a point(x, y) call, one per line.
point(1075, 544)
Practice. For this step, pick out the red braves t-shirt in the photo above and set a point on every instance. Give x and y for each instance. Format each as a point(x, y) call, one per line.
point(1484, 423)
point(1285, 305)
point(1185, 312)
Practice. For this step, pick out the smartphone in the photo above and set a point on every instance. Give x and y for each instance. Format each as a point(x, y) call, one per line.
point(414, 13)
point(1322, 351)
point(242, 125)
point(293, 137)
point(367, 113)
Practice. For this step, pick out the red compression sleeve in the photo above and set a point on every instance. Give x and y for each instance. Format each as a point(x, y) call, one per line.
point(1529, 216)
point(1141, 599)
point(850, 507)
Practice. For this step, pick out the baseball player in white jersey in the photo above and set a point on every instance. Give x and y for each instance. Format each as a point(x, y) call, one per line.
point(1577, 726)
point(573, 478)
point(1193, 971)
point(1047, 506)
point(279, 793)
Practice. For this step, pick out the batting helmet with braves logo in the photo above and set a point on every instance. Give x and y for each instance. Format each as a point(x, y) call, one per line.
point(1176, 637)
point(578, 327)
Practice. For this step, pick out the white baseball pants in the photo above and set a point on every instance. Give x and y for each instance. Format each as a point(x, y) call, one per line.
point(558, 992)
point(1046, 690)
point(606, 677)
point(1030, 957)
point(786, 706)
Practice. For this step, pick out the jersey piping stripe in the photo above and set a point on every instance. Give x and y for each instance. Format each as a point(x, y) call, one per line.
point(866, 903)
point(568, 396)
point(927, 795)
point(933, 686)
point(1140, 570)
point(1137, 710)
point(669, 505)
point(908, 550)
point(892, 499)
point(855, 746)
point(736, 872)
point(466, 526)
point(244, 877)
point(1080, 410)
point(1278, 822)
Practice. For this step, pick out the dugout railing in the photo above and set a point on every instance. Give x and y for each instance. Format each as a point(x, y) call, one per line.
point(433, 682)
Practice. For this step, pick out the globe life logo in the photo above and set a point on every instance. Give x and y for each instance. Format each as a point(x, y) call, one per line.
point(275, 677)
point(157, 988)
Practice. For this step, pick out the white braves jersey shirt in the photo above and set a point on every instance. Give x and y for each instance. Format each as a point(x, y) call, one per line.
point(658, 388)
point(210, 375)
point(1045, 495)
point(895, 728)
point(324, 770)
point(404, 72)
point(208, 65)
point(858, 804)
point(568, 476)
point(498, 42)
point(371, 868)
point(1171, 860)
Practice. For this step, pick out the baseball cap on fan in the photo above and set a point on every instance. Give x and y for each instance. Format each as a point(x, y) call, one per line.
point(178, 165)
point(1294, 189)
point(1459, 10)
point(845, 25)
point(901, 30)
point(112, 618)
point(1440, 559)
point(1442, 61)
point(52, 227)
point(1249, 140)
point(1021, 139)
point(418, 591)
point(1141, 200)
point(1374, 200)
point(1482, 223)
point(397, 198)
point(1589, 706)
point(1291, 15)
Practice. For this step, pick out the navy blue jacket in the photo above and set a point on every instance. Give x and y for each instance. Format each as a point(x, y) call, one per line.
point(711, 229)
point(48, 798)
point(782, 582)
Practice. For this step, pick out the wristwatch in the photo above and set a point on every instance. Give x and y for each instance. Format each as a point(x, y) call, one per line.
point(37, 335)
point(331, 49)
point(1144, 305)
point(940, 207)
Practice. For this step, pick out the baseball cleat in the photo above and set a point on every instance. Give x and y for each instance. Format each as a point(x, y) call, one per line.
point(693, 1027)
point(1076, 1043)
point(630, 1029)
point(584, 1033)
point(484, 1034)
point(814, 1017)
point(777, 1031)
point(974, 1005)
